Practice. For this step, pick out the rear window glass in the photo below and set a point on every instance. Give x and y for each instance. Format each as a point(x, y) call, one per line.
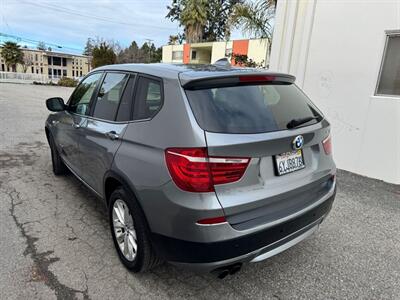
point(250, 108)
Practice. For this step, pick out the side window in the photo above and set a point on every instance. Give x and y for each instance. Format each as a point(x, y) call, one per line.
point(389, 77)
point(148, 98)
point(80, 99)
point(125, 107)
point(109, 96)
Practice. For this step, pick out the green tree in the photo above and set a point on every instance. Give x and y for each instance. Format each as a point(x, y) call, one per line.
point(157, 55)
point(88, 47)
point(12, 54)
point(149, 53)
point(219, 14)
point(194, 18)
point(129, 55)
point(255, 18)
point(41, 46)
point(192, 15)
point(214, 20)
point(103, 54)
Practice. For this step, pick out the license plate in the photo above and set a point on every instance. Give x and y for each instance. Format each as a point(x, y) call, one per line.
point(289, 162)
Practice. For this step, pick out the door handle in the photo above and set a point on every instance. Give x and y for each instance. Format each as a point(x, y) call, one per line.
point(112, 135)
point(76, 125)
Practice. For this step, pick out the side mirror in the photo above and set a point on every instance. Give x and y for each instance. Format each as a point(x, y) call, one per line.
point(55, 104)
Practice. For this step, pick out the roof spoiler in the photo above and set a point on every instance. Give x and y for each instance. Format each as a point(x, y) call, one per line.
point(239, 79)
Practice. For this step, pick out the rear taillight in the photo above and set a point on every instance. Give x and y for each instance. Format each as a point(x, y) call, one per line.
point(193, 170)
point(327, 143)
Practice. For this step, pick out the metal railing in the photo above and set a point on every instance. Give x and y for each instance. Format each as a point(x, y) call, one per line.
point(26, 77)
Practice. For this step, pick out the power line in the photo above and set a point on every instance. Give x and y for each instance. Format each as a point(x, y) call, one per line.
point(85, 15)
point(31, 41)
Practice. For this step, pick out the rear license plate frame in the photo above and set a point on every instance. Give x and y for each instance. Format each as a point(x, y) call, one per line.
point(289, 154)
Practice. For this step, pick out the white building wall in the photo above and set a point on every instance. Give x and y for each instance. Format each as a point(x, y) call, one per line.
point(218, 51)
point(167, 53)
point(258, 50)
point(335, 49)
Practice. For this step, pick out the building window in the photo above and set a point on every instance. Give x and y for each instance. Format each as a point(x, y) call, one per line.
point(36, 57)
point(33, 70)
point(389, 75)
point(194, 54)
point(81, 73)
point(41, 70)
point(50, 71)
point(64, 62)
point(73, 73)
point(177, 55)
point(56, 61)
point(64, 72)
point(49, 60)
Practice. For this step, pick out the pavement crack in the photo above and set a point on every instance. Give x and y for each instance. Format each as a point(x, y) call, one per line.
point(42, 260)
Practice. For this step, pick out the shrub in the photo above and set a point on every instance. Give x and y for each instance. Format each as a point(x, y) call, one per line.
point(244, 61)
point(43, 83)
point(68, 82)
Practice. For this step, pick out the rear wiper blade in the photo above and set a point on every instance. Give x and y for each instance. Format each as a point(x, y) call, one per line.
point(297, 122)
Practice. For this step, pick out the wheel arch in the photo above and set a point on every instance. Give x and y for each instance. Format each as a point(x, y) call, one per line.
point(113, 180)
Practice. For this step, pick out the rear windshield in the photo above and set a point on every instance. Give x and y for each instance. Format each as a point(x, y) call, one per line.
point(251, 108)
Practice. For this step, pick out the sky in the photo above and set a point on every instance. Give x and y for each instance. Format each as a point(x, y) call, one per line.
point(68, 23)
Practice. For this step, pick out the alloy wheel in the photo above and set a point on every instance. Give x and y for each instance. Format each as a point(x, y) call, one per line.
point(124, 230)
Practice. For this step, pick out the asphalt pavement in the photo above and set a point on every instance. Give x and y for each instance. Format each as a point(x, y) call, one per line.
point(55, 242)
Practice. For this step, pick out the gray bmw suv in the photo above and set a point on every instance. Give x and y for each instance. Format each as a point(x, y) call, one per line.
point(206, 167)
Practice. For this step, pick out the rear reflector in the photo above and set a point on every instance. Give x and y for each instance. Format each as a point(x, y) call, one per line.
point(212, 221)
point(193, 170)
point(327, 143)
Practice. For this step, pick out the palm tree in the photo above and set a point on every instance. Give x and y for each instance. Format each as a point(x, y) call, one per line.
point(194, 19)
point(12, 55)
point(255, 18)
point(173, 40)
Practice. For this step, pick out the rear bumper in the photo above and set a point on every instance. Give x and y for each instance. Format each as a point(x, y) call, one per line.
point(251, 247)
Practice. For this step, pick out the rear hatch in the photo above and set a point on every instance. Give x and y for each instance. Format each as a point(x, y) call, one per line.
point(266, 118)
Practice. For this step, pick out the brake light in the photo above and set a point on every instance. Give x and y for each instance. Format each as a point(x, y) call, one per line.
point(256, 78)
point(193, 170)
point(327, 143)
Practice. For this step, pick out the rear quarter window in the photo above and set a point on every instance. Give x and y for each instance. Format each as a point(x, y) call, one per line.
point(250, 108)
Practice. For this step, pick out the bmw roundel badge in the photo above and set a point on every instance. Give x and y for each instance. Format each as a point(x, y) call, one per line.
point(298, 142)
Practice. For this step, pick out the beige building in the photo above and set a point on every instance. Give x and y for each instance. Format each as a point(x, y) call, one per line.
point(53, 64)
point(209, 52)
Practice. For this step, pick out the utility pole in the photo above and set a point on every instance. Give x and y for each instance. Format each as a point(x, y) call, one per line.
point(148, 42)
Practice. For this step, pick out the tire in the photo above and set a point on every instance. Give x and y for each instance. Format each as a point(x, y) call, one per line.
point(59, 167)
point(144, 258)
